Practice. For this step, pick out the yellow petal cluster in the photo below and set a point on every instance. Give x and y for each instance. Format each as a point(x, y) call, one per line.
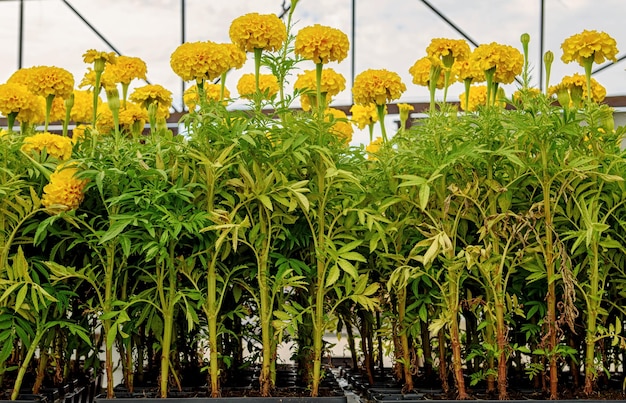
point(341, 126)
point(373, 147)
point(448, 50)
point(55, 145)
point(64, 189)
point(20, 76)
point(466, 70)
point(200, 61)
point(364, 115)
point(234, 56)
point(211, 92)
point(89, 80)
point(78, 132)
point(420, 71)
point(15, 97)
point(332, 83)
point(507, 61)
point(589, 44)
point(93, 55)
point(268, 85)
point(322, 44)
point(34, 115)
point(477, 97)
point(126, 69)
point(50, 80)
point(258, 31)
point(377, 87)
point(152, 93)
point(578, 83)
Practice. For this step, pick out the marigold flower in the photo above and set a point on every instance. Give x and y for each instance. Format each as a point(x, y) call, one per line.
point(126, 69)
point(78, 132)
point(89, 80)
point(200, 61)
point(55, 145)
point(268, 85)
point(421, 72)
point(3, 132)
point(478, 97)
point(211, 92)
point(57, 112)
point(448, 50)
point(594, 45)
point(404, 110)
point(466, 70)
point(576, 86)
point(506, 60)
point(258, 31)
point(15, 97)
point(92, 55)
point(332, 83)
point(234, 56)
point(373, 147)
point(341, 126)
point(377, 87)
point(364, 115)
point(20, 76)
point(321, 44)
point(152, 93)
point(50, 80)
point(64, 189)
point(35, 114)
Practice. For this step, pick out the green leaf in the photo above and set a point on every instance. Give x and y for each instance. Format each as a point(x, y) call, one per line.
point(333, 276)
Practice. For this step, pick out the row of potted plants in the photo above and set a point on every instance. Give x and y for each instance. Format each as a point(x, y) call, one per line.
point(263, 225)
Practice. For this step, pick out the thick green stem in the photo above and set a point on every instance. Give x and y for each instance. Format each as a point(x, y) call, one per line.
point(380, 109)
point(211, 313)
point(34, 345)
point(593, 307)
point(404, 341)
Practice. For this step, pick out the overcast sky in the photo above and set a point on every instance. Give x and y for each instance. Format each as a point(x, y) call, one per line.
point(390, 34)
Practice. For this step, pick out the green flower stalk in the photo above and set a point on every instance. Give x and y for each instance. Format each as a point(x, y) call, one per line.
point(69, 104)
point(548, 58)
point(113, 100)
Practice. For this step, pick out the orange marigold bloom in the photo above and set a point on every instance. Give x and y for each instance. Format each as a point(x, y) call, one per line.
point(420, 71)
point(506, 60)
point(50, 80)
point(268, 85)
point(598, 46)
point(200, 61)
point(322, 44)
point(55, 145)
point(211, 92)
point(64, 189)
point(341, 126)
point(377, 87)
point(448, 50)
point(126, 69)
point(258, 31)
point(364, 115)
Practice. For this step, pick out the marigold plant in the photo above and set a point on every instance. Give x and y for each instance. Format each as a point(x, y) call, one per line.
point(54, 145)
point(332, 83)
point(421, 72)
point(64, 189)
point(268, 85)
point(377, 87)
point(341, 126)
point(363, 115)
point(589, 45)
point(50, 81)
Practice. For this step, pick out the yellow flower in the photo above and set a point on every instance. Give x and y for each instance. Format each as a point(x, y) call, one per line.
point(466, 70)
point(211, 92)
point(268, 84)
point(92, 56)
point(82, 111)
point(377, 87)
point(89, 80)
point(576, 86)
point(130, 116)
point(373, 147)
point(594, 45)
point(364, 115)
point(322, 44)
point(51, 80)
point(404, 110)
point(332, 83)
point(341, 126)
point(506, 60)
point(448, 51)
point(57, 112)
point(55, 145)
point(34, 115)
point(20, 76)
point(15, 97)
point(477, 96)
point(78, 132)
point(258, 31)
point(200, 61)
point(126, 69)
point(420, 71)
point(152, 93)
point(64, 189)
point(3, 132)
point(234, 56)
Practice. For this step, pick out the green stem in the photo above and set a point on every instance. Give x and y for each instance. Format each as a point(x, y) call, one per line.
point(380, 109)
point(34, 345)
point(211, 313)
point(49, 100)
point(593, 308)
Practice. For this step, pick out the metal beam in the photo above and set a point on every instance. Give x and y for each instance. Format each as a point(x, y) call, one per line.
point(20, 40)
point(109, 44)
point(452, 24)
